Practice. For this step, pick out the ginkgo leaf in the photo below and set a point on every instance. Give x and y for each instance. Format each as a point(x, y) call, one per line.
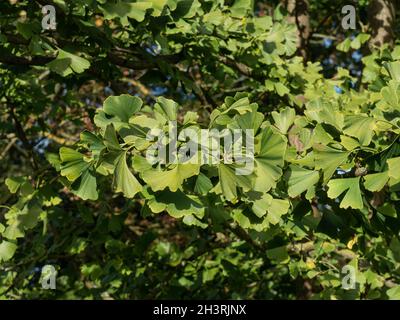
point(125, 10)
point(123, 106)
point(281, 89)
point(86, 187)
point(360, 127)
point(394, 168)
point(261, 205)
point(92, 142)
point(394, 293)
point(388, 210)
point(300, 180)
point(230, 181)
point(190, 118)
point(166, 108)
point(265, 204)
point(227, 180)
point(240, 8)
point(111, 140)
point(394, 69)
point(351, 186)
point(203, 184)
point(344, 45)
point(177, 204)
point(67, 63)
point(250, 120)
point(376, 181)
point(7, 250)
point(73, 163)
point(324, 112)
point(15, 183)
point(68, 154)
point(192, 220)
point(247, 220)
point(124, 180)
point(391, 94)
point(158, 6)
point(277, 209)
point(279, 255)
point(187, 8)
point(28, 217)
point(269, 160)
point(349, 143)
point(240, 105)
point(357, 42)
point(284, 119)
point(328, 160)
point(173, 178)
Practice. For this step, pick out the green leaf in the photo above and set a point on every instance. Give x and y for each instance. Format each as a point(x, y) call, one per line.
point(300, 180)
point(67, 63)
point(230, 181)
point(173, 178)
point(266, 204)
point(284, 119)
point(187, 8)
point(14, 183)
point(158, 6)
point(190, 118)
point(166, 108)
point(7, 250)
point(388, 210)
point(241, 8)
point(352, 197)
point(203, 184)
point(92, 142)
point(394, 167)
point(278, 255)
point(111, 140)
point(359, 40)
point(269, 160)
point(344, 46)
point(391, 94)
point(209, 274)
point(68, 155)
point(124, 180)
point(124, 10)
point(250, 120)
point(73, 163)
point(394, 293)
point(376, 181)
point(14, 231)
point(374, 279)
point(394, 70)
point(123, 106)
point(26, 29)
point(277, 209)
point(281, 89)
point(177, 204)
point(360, 127)
point(328, 160)
point(349, 143)
point(87, 187)
point(191, 220)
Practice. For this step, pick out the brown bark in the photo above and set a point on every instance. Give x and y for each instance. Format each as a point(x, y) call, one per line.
point(381, 14)
point(299, 14)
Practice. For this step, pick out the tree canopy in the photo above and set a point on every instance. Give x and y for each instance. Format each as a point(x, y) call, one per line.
point(78, 100)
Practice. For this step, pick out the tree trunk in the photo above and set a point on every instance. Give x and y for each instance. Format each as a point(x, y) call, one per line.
point(298, 11)
point(381, 18)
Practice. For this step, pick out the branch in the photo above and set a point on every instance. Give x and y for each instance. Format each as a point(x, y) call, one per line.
point(24, 61)
point(22, 136)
